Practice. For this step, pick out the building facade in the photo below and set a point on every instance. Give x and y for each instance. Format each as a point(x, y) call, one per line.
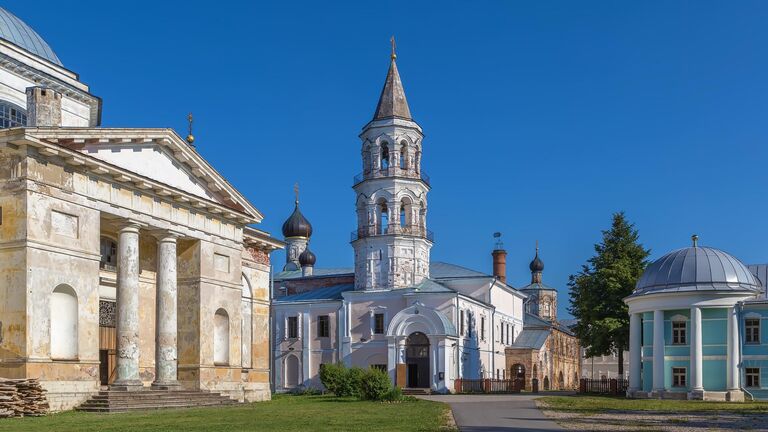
point(126, 260)
point(546, 353)
point(427, 323)
point(696, 328)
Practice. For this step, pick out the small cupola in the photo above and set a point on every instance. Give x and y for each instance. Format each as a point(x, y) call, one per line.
point(536, 266)
point(307, 261)
point(297, 225)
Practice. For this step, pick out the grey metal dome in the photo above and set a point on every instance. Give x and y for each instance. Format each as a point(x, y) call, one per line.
point(19, 33)
point(696, 269)
point(307, 258)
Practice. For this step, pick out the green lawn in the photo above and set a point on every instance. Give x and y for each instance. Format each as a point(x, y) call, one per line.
point(283, 413)
point(598, 404)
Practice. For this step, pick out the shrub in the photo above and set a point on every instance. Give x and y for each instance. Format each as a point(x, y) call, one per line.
point(375, 385)
point(340, 380)
point(393, 395)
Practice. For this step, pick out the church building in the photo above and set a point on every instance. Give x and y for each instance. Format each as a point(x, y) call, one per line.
point(426, 323)
point(696, 328)
point(127, 261)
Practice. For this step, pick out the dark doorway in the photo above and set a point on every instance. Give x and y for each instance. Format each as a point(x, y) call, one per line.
point(417, 359)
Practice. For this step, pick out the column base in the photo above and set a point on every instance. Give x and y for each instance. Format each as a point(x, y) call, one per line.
point(734, 396)
point(128, 385)
point(696, 394)
point(657, 394)
point(166, 386)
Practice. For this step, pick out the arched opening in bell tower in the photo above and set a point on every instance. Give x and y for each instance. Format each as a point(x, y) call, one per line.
point(383, 217)
point(384, 156)
point(403, 155)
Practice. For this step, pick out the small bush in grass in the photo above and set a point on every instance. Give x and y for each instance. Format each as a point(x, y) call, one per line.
point(375, 385)
point(340, 380)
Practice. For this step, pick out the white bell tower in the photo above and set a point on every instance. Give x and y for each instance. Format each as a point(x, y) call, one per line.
point(391, 242)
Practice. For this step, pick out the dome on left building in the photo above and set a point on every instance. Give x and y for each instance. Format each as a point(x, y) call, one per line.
point(297, 225)
point(19, 33)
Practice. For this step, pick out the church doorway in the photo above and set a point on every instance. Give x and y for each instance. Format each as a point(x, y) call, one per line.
point(417, 360)
point(107, 342)
point(291, 371)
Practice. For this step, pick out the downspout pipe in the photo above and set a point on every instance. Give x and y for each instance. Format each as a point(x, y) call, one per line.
point(739, 313)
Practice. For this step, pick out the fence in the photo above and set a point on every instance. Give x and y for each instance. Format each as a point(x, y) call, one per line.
point(488, 386)
point(611, 386)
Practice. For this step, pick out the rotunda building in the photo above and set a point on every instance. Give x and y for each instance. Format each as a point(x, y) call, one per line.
point(686, 325)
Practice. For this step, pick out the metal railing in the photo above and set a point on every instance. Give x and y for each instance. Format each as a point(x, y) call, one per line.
point(406, 230)
point(391, 172)
point(488, 385)
point(613, 386)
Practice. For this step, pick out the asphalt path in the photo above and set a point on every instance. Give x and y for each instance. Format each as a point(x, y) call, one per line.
point(496, 413)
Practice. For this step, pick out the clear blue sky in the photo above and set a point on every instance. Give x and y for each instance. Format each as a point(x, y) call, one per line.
point(541, 117)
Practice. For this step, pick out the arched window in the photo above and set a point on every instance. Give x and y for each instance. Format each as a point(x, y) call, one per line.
point(384, 156)
point(367, 159)
point(108, 248)
point(383, 217)
point(403, 155)
point(402, 215)
point(221, 338)
point(247, 323)
point(64, 321)
point(423, 215)
point(11, 115)
point(291, 371)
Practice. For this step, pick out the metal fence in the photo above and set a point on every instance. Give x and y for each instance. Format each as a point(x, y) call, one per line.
point(611, 386)
point(488, 386)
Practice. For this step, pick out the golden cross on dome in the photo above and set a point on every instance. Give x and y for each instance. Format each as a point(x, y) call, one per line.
point(296, 191)
point(190, 137)
point(392, 40)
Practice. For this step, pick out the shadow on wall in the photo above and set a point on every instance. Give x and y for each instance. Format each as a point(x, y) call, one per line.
point(470, 358)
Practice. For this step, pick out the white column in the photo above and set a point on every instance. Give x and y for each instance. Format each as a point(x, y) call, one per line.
point(697, 375)
point(166, 363)
point(127, 367)
point(658, 351)
point(635, 352)
point(732, 362)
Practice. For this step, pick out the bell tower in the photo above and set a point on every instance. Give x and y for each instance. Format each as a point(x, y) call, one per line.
point(391, 243)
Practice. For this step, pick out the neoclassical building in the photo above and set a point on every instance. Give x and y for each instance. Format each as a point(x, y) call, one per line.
point(696, 328)
point(546, 350)
point(427, 323)
point(126, 260)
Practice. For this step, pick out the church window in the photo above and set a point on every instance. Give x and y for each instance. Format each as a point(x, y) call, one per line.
point(383, 218)
point(221, 338)
point(384, 156)
point(752, 327)
point(11, 116)
point(469, 324)
point(501, 333)
point(678, 332)
point(323, 326)
point(293, 327)
point(678, 377)
point(461, 323)
point(753, 377)
point(108, 248)
point(402, 215)
point(403, 155)
point(64, 322)
point(507, 334)
point(482, 327)
point(378, 323)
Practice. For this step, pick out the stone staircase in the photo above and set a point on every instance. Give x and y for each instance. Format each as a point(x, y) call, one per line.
point(416, 391)
point(107, 401)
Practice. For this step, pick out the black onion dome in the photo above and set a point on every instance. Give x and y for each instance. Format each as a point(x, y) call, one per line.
point(537, 265)
point(307, 258)
point(297, 225)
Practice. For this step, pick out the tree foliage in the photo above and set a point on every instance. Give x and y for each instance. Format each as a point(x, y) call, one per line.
point(597, 292)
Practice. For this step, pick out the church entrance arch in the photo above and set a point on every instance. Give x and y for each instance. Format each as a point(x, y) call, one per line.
point(291, 371)
point(417, 360)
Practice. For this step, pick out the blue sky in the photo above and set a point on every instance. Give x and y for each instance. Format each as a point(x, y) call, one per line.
point(541, 118)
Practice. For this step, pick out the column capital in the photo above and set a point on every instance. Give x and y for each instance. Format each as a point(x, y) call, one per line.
point(129, 225)
point(163, 235)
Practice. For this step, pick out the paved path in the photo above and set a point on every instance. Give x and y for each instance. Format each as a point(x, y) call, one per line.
point(496, 413)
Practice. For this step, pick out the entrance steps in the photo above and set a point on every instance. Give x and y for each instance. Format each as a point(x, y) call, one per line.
point(110, 401)
point(416, 391)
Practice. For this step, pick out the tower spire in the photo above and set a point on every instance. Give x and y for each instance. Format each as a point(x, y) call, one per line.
point(392, 102)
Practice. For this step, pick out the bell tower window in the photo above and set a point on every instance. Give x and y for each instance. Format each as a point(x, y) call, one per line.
point(383, 218)
point(384, 156)
point(403, 156)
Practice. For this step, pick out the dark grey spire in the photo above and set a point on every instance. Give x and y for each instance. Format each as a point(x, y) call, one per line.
point(392, 103)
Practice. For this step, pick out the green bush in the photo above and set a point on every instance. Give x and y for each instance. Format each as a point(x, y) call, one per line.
point(340, 380)
point(375, 385)
point(393, 395)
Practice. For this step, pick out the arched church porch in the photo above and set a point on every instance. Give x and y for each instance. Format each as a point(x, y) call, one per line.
point(420, 349)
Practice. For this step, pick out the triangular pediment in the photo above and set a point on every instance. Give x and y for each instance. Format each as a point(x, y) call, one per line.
point(152, 161)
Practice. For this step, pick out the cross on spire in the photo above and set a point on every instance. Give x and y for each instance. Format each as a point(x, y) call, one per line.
point(190, 137)
point(392, 40)
point(296, 191)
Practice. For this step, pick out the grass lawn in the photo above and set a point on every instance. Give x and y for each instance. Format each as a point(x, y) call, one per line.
point(283, 413)
point(601, 404)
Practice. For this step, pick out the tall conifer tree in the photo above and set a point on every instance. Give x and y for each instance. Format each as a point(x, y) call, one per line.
point(598, 290)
